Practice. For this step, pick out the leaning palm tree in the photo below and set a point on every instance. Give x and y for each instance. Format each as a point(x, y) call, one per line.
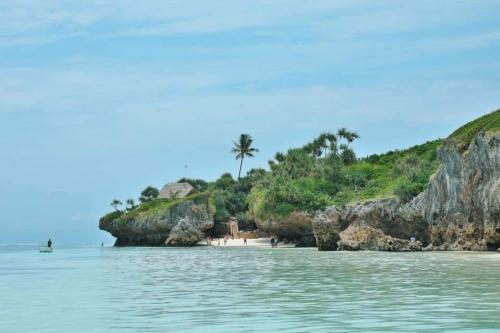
point(243, 148)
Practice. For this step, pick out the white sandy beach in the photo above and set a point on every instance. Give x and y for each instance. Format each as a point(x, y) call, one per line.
point(255, 242)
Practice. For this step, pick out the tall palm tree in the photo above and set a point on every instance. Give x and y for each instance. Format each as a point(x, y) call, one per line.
point(327, 141)
point(351, 137)
point(347, 135)
point(343, 133)
point(332, 139)
point(243, 148)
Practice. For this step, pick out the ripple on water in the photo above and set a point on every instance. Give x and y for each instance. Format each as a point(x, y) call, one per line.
point(248, 289)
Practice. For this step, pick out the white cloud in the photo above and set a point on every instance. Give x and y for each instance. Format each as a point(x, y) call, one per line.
point(67, 89)
point(50, 20)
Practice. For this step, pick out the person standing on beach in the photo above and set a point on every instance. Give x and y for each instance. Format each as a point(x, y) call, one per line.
point(225, 239)
point(49, 243)
point(245, 239)
point(272, 241)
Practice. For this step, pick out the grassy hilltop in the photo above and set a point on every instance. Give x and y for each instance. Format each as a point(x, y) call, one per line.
point(487, 123)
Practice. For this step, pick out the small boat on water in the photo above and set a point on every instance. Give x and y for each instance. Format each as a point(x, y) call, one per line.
point(45, 248)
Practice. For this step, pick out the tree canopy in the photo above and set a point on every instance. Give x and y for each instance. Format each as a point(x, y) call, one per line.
point(148, 194)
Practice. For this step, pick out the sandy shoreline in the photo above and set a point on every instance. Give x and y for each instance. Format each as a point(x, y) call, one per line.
point(254, 242)
point(266, 243)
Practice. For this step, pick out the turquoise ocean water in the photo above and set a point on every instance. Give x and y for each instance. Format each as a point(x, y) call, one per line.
point(246, 290)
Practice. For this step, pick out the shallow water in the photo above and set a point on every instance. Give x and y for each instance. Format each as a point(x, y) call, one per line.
point(247, 290)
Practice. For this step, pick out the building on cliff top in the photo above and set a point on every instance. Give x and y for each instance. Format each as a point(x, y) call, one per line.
point(176, 190)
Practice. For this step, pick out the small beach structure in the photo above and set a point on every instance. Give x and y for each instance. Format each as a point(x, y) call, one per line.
point(232, 227)
point(176, 190)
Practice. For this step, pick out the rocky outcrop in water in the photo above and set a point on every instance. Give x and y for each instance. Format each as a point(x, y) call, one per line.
point(180, 223)
point(459, 210)
point(363, 237)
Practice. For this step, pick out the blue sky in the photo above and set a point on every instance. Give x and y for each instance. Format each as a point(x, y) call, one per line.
point(99, 99)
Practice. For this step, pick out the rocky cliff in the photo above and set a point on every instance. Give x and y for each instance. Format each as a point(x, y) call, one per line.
point(295, 228)
point(459, 210)
point(181, 222)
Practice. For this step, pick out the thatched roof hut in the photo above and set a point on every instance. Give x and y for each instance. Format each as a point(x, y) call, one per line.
point(176, 190)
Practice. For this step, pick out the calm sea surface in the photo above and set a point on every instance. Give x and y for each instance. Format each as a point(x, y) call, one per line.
point(246, 290)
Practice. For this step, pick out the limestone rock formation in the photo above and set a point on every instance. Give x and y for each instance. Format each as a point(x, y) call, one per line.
point(181, 223)
point(327, 227)
point(185, 232)
point(362, 237)
point(462, 201)
point(296, 228)
point(373, 225)
point(459, 210)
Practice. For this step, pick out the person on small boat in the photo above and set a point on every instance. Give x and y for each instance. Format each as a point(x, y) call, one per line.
point(49, 243)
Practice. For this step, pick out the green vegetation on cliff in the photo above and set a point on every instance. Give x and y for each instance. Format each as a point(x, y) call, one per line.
point(301, 182)
point(403, 173)
point(324, 172)
point(153, 207)
point(488, 122)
